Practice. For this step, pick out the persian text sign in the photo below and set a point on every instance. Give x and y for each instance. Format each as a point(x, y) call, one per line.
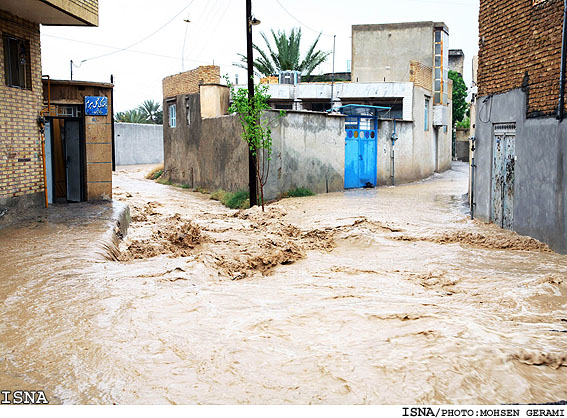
point(96, 106)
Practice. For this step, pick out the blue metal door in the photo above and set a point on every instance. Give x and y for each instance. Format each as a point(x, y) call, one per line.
point(361, 161)
point(361, 150)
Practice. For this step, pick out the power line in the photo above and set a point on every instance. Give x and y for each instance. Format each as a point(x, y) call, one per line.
point(130, 50)
point(301, 23)
point(143, 39)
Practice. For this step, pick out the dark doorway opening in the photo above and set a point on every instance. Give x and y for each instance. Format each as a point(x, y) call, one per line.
point(67, 149)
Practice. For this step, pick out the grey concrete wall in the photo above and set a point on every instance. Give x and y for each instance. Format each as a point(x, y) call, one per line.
point(463, 145)
point(384, 52)
point(540, 196)
point(207, 153)
point(308, 151)
point(138, 143)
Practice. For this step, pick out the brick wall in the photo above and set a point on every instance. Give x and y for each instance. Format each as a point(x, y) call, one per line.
point(421, 75)
point(189, 81)
point(520, 45)
point(21, 167)
point(272, 79)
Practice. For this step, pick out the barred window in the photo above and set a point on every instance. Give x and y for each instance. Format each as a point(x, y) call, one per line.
point(17, 63)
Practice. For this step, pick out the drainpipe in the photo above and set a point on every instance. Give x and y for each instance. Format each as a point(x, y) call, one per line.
point(394, 138)
point(473, 173)
point(112, 126)
point(561, 106)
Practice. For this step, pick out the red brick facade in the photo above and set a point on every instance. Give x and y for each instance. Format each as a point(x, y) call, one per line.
point(21, 167)
point(520, 46)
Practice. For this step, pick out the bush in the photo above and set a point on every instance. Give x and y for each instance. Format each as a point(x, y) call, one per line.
point(219, 195)
point(299, 192)
point(464, 124)
point(156, 173)
point(238, 200)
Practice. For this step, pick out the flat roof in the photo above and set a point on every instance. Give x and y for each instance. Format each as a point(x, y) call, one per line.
point(79, 83)
point(400, 25)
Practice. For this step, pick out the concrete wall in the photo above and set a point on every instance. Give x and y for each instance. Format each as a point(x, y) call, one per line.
point(214, 100)
point(462, 144)
point(206, 153)
point(418, 153)
point(308, 151)
point(384, 52)
point(540, 196)
point(138, 143)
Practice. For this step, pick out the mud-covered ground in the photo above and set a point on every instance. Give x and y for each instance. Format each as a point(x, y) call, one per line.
point(381, 296)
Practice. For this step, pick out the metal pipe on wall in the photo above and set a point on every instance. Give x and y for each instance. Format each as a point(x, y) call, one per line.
point(112, 126)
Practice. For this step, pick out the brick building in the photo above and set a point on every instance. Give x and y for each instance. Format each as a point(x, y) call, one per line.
point(21, 92)
point(520, 177)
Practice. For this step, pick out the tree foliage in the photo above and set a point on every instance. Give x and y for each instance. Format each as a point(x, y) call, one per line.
point(152, 110)
point(256, 131)
point(149, 112)
point(285, 54)
point(460, 105)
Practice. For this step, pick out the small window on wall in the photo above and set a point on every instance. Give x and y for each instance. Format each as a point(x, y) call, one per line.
point(426, 117)
point(17, 63)
point(172, 116)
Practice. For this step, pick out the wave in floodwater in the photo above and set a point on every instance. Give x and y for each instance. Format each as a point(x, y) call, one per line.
point(385, 296)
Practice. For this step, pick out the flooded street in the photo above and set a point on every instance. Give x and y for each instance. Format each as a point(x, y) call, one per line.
point(379, 296)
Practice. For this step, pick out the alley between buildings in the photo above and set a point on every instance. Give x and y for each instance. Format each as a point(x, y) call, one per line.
point(381, 296)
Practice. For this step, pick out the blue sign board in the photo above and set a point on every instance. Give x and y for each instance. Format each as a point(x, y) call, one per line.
point(96, 106)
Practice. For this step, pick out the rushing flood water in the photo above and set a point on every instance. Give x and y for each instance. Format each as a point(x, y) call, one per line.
point(385, 296)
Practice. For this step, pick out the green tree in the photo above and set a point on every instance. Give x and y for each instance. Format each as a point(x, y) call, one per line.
point(152, 110)
point(131, 116)
point(256, 129)
point(460, 105)
point(285, 54)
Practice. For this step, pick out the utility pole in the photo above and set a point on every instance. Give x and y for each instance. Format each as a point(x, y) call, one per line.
point(252, 177)
point(71, 65)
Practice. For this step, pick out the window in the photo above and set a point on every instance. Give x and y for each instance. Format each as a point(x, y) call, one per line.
point(172, 116)
point(440, 66)
point(426, 118)
point(17, 62)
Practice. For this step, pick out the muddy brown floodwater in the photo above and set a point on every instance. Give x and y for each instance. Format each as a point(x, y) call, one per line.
point(384, 296)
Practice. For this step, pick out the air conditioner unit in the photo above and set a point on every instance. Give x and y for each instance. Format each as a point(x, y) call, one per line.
point(290, 77)
point(440, 115)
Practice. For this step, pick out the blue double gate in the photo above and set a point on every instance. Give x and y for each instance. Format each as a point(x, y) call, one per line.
point(361, 162)
point(361, 153)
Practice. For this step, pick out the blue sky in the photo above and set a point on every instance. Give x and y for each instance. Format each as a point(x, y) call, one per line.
point(217, 33)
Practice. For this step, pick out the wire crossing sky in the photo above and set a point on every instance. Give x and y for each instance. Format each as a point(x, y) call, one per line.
point(142, 41)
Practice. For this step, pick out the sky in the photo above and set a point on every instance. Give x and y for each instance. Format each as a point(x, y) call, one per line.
point(142, 41)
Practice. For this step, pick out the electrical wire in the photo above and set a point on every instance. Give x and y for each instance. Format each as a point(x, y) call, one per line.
point(143, 39)
point(301, 23)
point(130, 50)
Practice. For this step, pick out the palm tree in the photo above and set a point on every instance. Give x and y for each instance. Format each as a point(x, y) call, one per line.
point(131, 116)
point(285, 55)
point(151, 109)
